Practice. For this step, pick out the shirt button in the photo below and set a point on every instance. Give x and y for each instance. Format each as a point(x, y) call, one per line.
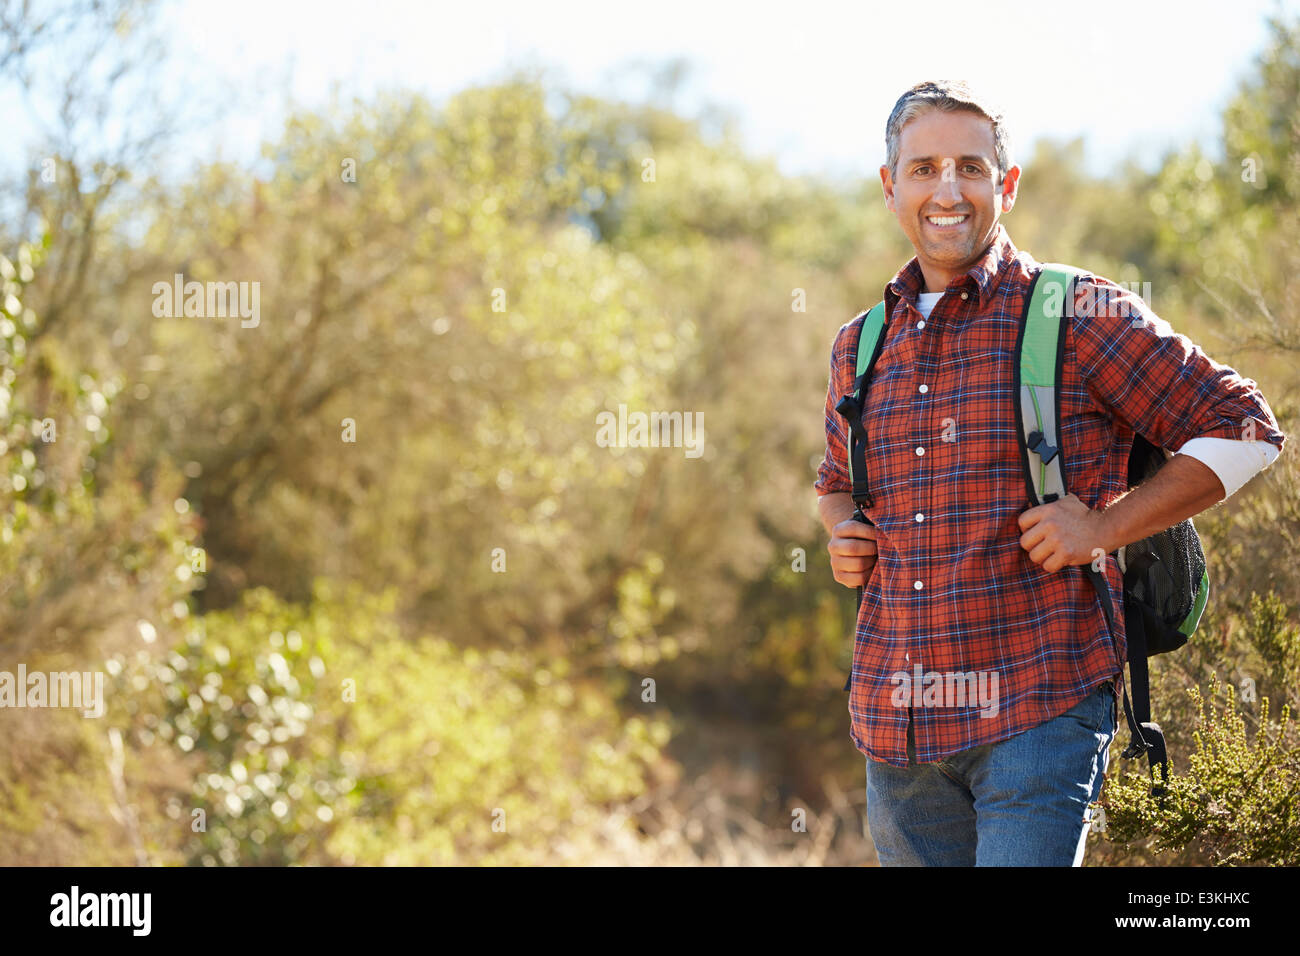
point(923, 389)
point(918, 585)
point(919, 517)
point(965, 295)
point(921, 324)
point(920, 451)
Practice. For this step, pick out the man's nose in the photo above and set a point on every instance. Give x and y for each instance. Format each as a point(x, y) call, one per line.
point(949, 191)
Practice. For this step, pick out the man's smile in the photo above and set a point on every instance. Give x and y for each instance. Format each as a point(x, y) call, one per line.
point(945, 223)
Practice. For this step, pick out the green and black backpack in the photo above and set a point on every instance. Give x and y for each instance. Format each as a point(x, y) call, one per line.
point(1166, 582)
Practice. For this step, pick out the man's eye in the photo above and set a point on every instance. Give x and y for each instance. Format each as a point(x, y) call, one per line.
point(973, 169)
point(922, 170)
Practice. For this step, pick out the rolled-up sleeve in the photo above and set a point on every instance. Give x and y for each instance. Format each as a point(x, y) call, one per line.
point(1234, 462)
point(833, 473)
point(1156, 381)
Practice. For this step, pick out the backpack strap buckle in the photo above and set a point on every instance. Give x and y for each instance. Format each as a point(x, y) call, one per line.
point(850, 407)
point(1039, 445)
point(1147, 739)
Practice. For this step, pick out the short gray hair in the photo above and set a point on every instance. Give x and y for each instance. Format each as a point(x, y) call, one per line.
point(946, 95)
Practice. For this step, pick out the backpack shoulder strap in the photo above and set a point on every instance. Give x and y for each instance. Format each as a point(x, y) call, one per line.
point(1040, 355)
point(869, 341)
point(1040, 352)
point(851, 406)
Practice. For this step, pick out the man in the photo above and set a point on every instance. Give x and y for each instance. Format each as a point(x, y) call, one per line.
point(960, 575)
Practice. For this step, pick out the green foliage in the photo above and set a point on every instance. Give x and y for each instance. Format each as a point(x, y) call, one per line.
point(323, 735)
point(92, 551)
point(1235, 800)
point(1260, 133)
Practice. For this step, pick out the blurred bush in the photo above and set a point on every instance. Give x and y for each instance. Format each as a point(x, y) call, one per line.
point(323, 735)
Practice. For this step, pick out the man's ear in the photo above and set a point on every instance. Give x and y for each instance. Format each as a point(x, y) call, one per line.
point(887, 183)
point(1010, 188)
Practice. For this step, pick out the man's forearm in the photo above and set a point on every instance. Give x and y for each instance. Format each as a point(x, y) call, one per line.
point(1182, 488)
point(835, 507)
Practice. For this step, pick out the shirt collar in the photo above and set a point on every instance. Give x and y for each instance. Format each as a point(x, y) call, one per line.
point(982, 277)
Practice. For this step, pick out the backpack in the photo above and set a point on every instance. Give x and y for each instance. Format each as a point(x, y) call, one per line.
point(1166, 581)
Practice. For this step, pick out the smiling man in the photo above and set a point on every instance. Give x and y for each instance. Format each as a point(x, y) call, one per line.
point(963, 580)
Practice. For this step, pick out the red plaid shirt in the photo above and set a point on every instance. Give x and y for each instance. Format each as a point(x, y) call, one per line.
point(953, 592)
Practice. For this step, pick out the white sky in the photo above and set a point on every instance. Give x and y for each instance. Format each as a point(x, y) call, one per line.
point(812, 82)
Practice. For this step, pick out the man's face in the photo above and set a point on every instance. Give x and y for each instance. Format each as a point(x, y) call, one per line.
point(946, 193)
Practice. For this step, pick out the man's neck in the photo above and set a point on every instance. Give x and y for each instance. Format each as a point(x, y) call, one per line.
point(936, 282)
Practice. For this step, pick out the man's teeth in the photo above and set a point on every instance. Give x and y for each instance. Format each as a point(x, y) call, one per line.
point(945, 220)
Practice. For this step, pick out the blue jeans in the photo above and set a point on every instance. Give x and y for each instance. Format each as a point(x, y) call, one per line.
point(1022, 801)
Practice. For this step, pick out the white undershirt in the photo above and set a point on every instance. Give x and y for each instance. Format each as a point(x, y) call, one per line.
point(1234, 461)
point(926, 301)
